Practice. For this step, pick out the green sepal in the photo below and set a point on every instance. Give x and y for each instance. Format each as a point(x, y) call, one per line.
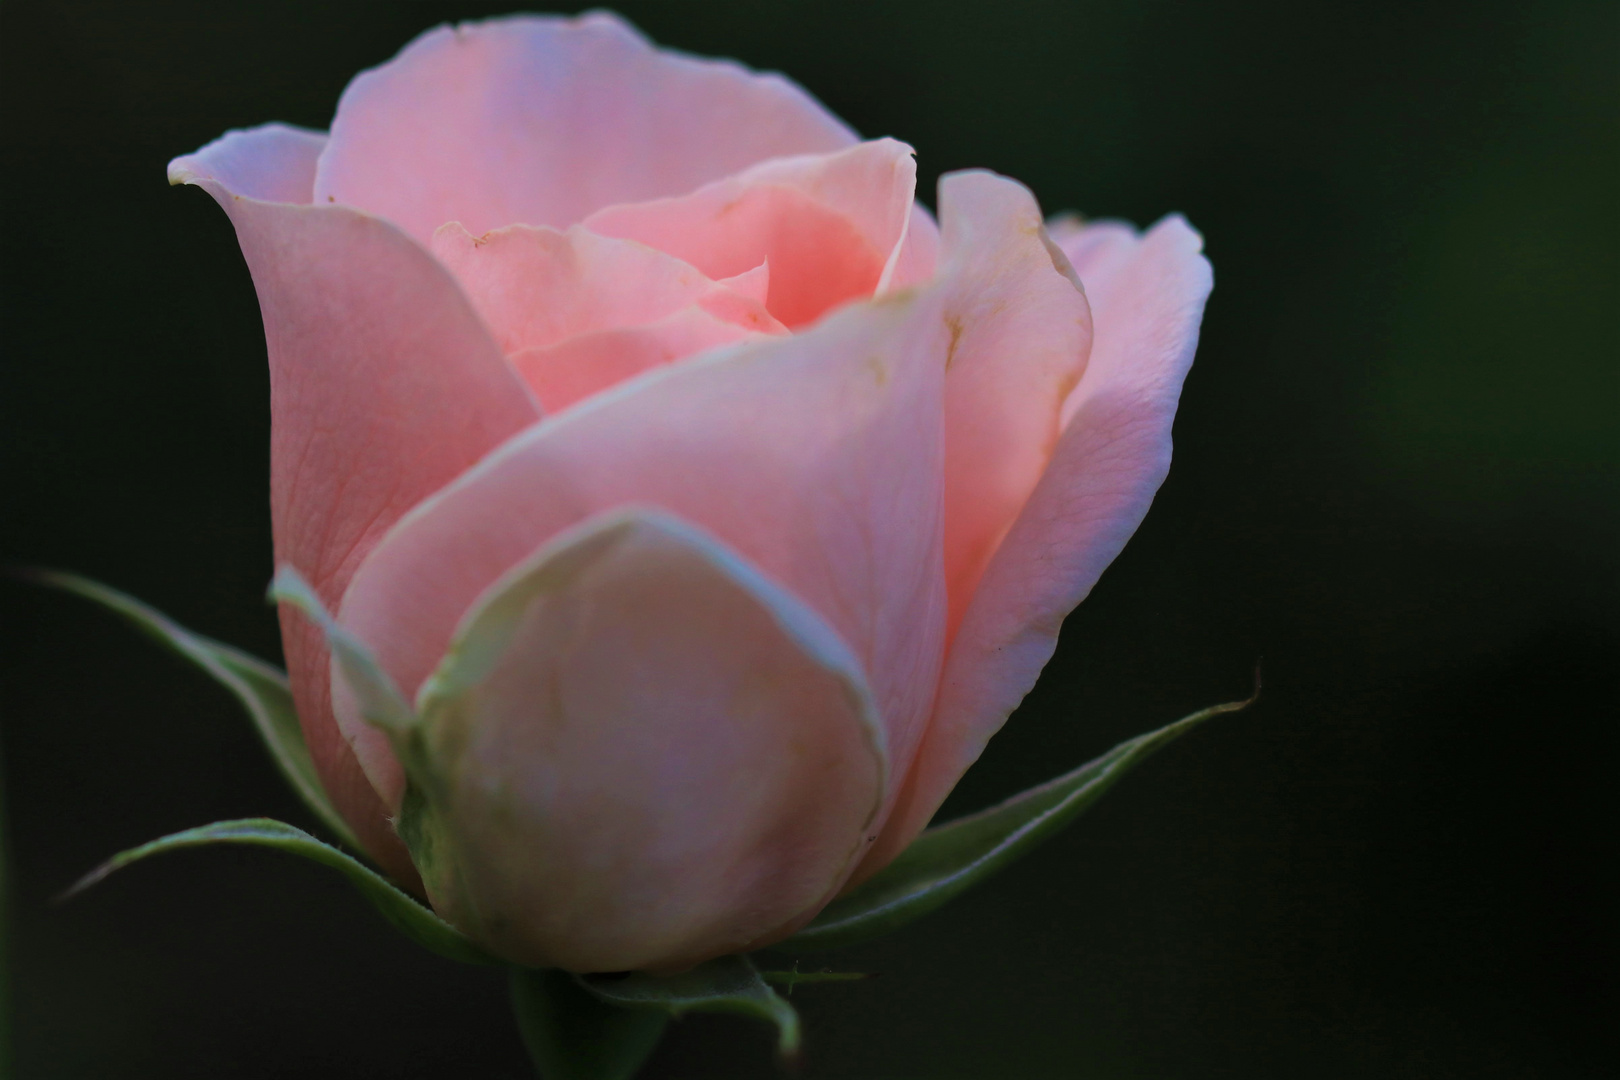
point(260, 687)
point(419, 823)
point(950, 858)
point(572, 1034)
point(730, 984)
point(405, 913)
point(381, 704)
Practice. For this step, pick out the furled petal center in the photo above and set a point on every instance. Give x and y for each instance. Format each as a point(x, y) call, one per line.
point(641, 285)
point(828, 225)
point(575, 312)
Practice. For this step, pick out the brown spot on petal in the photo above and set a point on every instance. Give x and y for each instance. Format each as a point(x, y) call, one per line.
point(880, 372)
point(953, 323)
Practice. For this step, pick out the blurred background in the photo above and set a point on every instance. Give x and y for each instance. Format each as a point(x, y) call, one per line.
point(1395, 480)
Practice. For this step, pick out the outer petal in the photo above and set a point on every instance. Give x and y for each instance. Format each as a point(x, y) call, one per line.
point(541, 120)
point(383, 385)
point(828, 225)
point(272, 162)
point(652, 754)
point(1147, 295)
point(817, 457)
point(1021, 332)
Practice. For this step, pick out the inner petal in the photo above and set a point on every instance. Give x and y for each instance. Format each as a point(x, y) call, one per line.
point(534, 287)
point(827, 225)
point(575, 312)
point(563, 374)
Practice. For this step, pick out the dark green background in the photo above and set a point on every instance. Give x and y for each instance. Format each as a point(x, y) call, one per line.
point(1395, 479)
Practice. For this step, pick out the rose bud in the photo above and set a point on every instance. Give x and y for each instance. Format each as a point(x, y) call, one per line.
point(690, 508)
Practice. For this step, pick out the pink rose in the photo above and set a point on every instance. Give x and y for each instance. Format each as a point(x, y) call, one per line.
point(713, 506)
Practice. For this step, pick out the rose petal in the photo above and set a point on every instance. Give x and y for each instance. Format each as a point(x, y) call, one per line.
point(541, 120)
point(572, 370)
point(827, 224)
point(577, 312)
point(817, 457)
point(918, 258)
point(654, 755)
point(535, 287)
point(384, 386)
point(273, 162)
point(755, 284)
point(1147, 297)
point(1021, 332)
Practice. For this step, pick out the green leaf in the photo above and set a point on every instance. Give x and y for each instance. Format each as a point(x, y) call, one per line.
point(260, 687)
point(949, 858)
point(571, 1034)
point(407, 915)
point(730, 984)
